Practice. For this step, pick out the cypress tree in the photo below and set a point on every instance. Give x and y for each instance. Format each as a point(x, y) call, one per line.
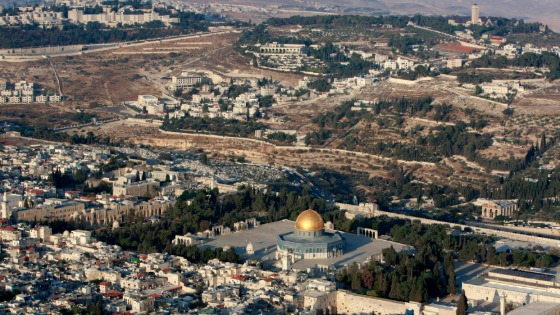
point(462, 304)
point(451, 282)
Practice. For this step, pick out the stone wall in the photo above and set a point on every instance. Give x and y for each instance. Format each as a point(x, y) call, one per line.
point(41, 50)
point(350, 303)
point(100, 217)
point(325, 302)
point(51, 213)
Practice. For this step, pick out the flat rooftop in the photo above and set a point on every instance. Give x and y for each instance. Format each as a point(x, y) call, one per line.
point(535, 308)
point(525, 274)
point(264, 238)
point(525, 289)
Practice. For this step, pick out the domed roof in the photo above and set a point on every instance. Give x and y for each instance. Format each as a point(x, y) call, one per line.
point(309, 220)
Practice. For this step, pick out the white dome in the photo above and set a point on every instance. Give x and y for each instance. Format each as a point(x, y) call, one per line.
point(250, 249)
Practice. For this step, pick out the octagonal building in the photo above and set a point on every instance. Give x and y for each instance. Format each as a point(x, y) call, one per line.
point(310, 240)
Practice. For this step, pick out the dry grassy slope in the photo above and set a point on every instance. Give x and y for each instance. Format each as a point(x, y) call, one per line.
point(261, 152)
point(114, 76)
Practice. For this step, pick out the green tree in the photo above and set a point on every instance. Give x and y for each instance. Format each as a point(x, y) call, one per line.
point(451, 289)
point(356, 284)
point(462, 304)
point(491, 254)
point(546, 261)
point(478, 90)
point(204, 159)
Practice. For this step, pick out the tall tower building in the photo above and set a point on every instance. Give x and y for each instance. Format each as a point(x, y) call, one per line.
point(475, 14)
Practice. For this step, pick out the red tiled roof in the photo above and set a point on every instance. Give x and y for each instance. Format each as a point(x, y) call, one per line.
point(166, 270)
point(113, 293)
point(239, 277)
point(156, 296)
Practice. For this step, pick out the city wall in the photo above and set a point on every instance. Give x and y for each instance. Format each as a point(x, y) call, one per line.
point(92, 218)
point(537, 240)
point(350, 303)
point(492, 294)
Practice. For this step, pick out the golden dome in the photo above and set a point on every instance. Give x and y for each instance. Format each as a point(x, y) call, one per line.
point(309, 220)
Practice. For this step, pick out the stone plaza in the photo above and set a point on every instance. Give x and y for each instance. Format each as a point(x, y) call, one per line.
point(264, 240)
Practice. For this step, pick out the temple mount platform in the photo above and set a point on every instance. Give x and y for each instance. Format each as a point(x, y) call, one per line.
point(264, 240)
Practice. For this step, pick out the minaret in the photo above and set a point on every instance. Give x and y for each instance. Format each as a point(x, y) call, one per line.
point(475, 14)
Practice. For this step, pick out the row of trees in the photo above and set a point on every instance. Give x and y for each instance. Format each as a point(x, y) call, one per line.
point(219, 125)
point(45, 133)
point(528, 59)
point(335, 21)
point(282, 137)
point(95, 32)
point(473, 78)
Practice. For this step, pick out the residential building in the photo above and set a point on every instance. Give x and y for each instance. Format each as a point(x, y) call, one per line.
point(454, 63)
point(283, 49)
point(135, 189)
point(185, 80)
point(113, 18)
